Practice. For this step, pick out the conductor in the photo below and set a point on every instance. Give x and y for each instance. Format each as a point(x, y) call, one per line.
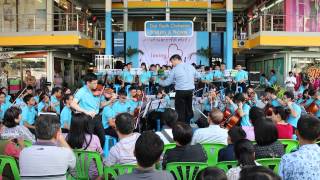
point(183, 75)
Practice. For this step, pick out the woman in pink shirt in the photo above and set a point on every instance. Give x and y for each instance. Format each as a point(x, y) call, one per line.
point(279, 116)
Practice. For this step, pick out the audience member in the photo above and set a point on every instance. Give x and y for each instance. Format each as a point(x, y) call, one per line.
point(169, 117)
point(214, 133)
point(267, 145)
point(234, 134)
point(147, 151)
point(244, 153)
point(51, 156)
point(211, 173)
point(279, 116)
point(258, 173)
point(122, 152)
point(183, 152)
point(305, 162)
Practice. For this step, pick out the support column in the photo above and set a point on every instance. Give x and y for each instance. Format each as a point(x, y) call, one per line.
point(50, 16)
point(229, 54)
point(168, 11)
point(108, 31)
point(209, 17)
point(125, 15)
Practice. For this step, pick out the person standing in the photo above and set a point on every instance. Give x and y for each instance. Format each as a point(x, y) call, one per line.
point(183, 76)
point(30, 80)
point(290, 82)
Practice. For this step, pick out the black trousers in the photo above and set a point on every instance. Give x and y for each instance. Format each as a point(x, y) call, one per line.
point(183, 105)
point(96, 128)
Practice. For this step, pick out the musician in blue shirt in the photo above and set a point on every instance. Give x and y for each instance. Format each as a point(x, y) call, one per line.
point(217, 74)
point(273, 78)
point(295, 110)
point(127, 76)
point(271, 95)
point(55, 96)
point(29, 112)
point(44, 103)
point(3, 105)
point(122, 105)
point(243, 109)
point(66, 113)
point(5, 91)
point(207, 77)
point(145, 75)
point(241, 78)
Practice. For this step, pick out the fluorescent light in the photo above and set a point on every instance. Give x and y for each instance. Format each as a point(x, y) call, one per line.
point(194, 19)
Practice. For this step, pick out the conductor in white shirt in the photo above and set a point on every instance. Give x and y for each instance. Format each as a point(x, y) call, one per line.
point(290, 82)
point(183, 75)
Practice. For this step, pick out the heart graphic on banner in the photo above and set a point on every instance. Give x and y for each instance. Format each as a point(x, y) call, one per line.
point(174, 49)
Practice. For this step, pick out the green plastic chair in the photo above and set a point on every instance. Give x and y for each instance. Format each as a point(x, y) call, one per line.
point(114, 171)
point(226, 165)
point(11, 162)
point(289, 145)
point(27, 143)
point(185, 170)
point(168, 146)
point(84, 158)
point(272, 163)
point(212, 151)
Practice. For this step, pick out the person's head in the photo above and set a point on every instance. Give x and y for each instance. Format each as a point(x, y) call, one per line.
point(235, 134)
point(47, 127)
point(12, 117)
point(124, 124)
point(238, 67)
point(129, 65)
point(215, 116)
point(265, 132)
point(263, 75)
point(202, 122)
point(182, 133)
point(308, 128)
point(122, 96)
point(290, 73)
point(312, 92)
point(160, 93)
point(148, 149)
point(222, 66)
point(212, 173)
point(29, 90)
point(44, 98)
point(4, 90)
point(78, 129)
point(244, 152)
point(143, 66)
point(57, 91)
point(288, 96)
point(2, 97)
point(175, 59)
point(269, 91)
point(28, 72)
point(256, 115)
point(91, 81)
point(279, 114)
point(258, 173)
point(133, 91)
point(67, 91)
point(152, 67)
point(250, 90)
point(38, 92)
point(169, 117)
point(29, 100)
point(305, 94)
point(239, 97)
point(67, 99)
point(207, 69)
point(272, 72)
point(217, 67)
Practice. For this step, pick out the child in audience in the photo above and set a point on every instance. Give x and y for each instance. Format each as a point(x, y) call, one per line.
point(279, 116)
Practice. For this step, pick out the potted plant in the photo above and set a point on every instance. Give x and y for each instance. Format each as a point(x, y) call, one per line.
point(133, 51)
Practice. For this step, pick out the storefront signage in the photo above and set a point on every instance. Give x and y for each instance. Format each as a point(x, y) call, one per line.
point(313, 73)
point(7, 55)
point(168, 28)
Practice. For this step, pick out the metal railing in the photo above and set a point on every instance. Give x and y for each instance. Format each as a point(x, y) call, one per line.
point(49, 22)
point(272, 22)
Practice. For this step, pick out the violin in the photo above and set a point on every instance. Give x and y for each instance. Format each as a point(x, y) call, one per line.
point(312, 108)
point(98, 91)
point(229, 119)
point(268, 110)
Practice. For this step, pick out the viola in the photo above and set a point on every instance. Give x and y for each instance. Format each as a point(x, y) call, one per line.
point(98, 91)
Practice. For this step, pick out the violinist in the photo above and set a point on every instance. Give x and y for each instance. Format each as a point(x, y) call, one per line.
point(312, 104)
point(88, 102)
point(274, 101)
point(44, 103)
point(126, 77)
point(230, 105)
point(295, 109)
point(19, 100)
point(122, 104)
point(302, 99)
point(252, 96)
point(56, 95)
point(243, 109)
point(66, 113)
point(4, 105)
point(133, 97)
point(108, 114)
point(210, 101)
point(206, 79)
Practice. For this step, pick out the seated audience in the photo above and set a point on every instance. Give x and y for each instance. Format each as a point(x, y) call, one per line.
point(169, 117)
point(267, 146)
point(211, 173)
point(147, 150)
point(258, 173)
point(214, 133)
point(255, 115)
point(184, 152)
point(122, 152)
point(234, 134)
point(51, 156)
point(244, 153)
point(279, 116)
point(202, 122)
point(305, 162)
point(12, 129)
point(80, 137)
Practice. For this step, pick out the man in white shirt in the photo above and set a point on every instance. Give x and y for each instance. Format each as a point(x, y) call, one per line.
point(214, 133)
point(290, 82)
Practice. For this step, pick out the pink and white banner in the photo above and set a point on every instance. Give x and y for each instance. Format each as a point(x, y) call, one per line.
point(158, 50)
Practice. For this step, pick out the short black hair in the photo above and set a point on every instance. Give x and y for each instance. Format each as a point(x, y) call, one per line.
point(10, 115)
point(90, 77)
point(212, 173)
point(207, 68)
point(202, 122)
point(42, 96)
point(273, 71)
point(124, 123)
point(66, 97)
point(132, 88)
point(55, 90)
point(148, 149)
point(236, 133)
point(182, 133)
point(256, 115)
point(47, 126)
point(244, 152)
point(2, 93)
point(239, 97)
point(290, 72)
point(270, 90)
point(289, 94)
point(29, 88)
point(309, 127)
point(169, 117)
point(312, 92)
point(122, 92)
point(176, 56)
point(281, 111)
point(27, 98)
point(258, 173)
point(265, 132)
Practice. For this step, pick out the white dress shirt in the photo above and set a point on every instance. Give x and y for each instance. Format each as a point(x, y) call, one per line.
point(211, 134)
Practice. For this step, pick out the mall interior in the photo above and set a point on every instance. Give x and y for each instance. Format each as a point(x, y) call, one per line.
point(67, 34)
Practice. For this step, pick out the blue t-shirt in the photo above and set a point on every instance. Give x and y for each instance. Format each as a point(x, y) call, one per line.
point(119, 107)
point(8, 98)
point(127, 76)
point(3, 108)
point(207, 105)
point(294, 120)
point(28, 115)
point(20, 103)
point(275, 103)
point(217, 74)
point(144, 77)
point(87, 100)
point(55, 101)
point(207, 77)
point(318, 112)
point(36, 98)
point(41, 105)
point(65, 116)
point(273, 80)
point(245, 119)
point(241, 75)
point(107, 114)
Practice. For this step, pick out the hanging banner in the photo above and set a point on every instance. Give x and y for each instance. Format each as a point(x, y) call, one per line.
point(158, 50)
point(168, 28)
